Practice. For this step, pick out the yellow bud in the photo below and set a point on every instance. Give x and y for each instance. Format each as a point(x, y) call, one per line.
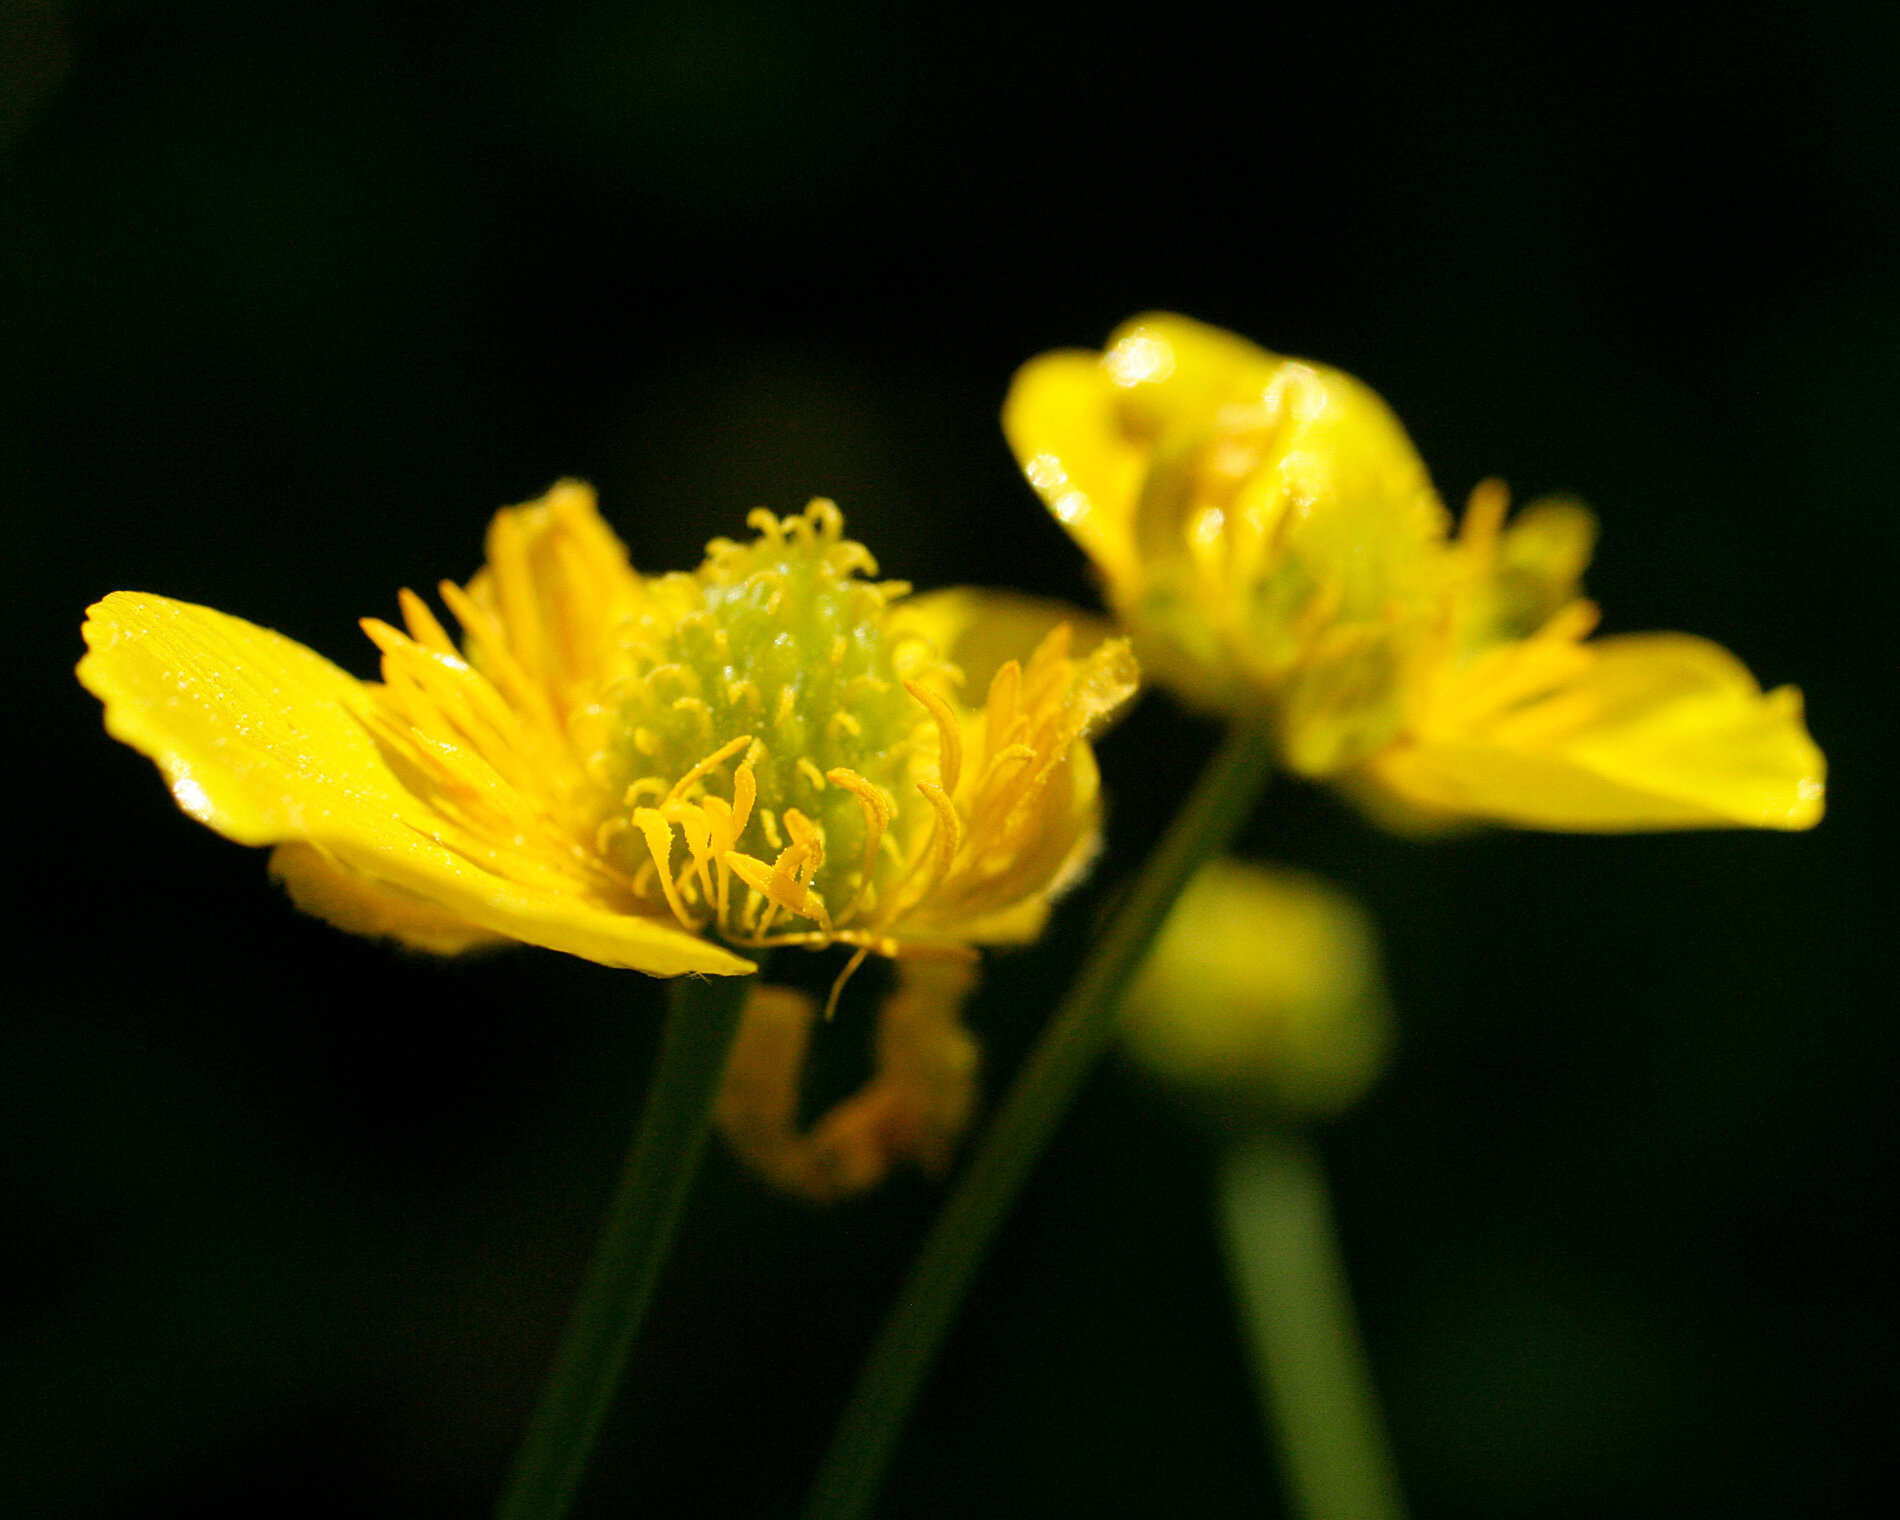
point(1262, 993)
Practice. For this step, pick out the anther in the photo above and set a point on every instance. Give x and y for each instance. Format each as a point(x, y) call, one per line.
point(659, 837)
point(712, 762)
point(949, 733)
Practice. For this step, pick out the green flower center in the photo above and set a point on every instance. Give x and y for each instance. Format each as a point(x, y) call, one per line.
point(782, 642)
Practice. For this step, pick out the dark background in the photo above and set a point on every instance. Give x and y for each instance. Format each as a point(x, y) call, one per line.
point(292, 297)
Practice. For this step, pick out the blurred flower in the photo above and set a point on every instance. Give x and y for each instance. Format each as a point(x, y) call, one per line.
point(1262, 995)
point(1267, 533)
point(774, 747)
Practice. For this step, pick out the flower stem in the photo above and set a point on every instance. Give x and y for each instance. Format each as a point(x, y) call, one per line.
point(1316, 1389)
point(901, 1356)
point(702, 1016)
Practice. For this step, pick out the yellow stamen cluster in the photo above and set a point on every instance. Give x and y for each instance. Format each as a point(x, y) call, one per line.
point(763, 734)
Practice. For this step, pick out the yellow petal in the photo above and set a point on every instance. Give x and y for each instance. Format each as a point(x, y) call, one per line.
point(1276, 446)
point(978, 630)
point(1660, 731)
point(357, 904)
point(265, 741)
point(1060, 418)
point(256, 734)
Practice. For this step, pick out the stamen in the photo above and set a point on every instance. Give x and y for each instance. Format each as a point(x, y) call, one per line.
point(1000, 710)
point(949, 734)
point(515, 591)
point(1013, 755)
point(697, 827)
point(712, 762)
point(745, 790)
point(823, 513)
point(1484, 517)
point(837, 987)
point(424, 627)
point(659, 837)
point(755, 900)
point(773, 579)
point(682, 675)
point(724, 837)
point(1570, 623)
point(500, 665)
point(776, 884)
point(850, 556)
point(947, 829)
point(809, 837)
point(877, 816)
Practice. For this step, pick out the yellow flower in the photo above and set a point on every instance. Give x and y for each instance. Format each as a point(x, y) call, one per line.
point(775, 748)
point(1262, 993)
point(1269, 536)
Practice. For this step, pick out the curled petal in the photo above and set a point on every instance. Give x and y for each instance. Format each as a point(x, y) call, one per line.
point(915, 1107)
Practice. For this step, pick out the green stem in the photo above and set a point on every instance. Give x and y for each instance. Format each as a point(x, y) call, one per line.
point(702, 1016)
point(902, 1354)
point(1315, 1385)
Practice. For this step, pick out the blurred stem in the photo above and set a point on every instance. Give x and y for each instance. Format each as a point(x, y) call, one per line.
point(901, 1356)
point(702, 1016)
point(1315, 1385)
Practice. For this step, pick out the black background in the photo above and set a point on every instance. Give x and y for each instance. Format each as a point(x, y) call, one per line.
point(292, 297)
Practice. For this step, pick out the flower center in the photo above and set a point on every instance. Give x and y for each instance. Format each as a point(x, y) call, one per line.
point(772, 658)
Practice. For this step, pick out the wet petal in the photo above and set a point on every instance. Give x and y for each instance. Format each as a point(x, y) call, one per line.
point(1060, 418)
point(266, 742)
